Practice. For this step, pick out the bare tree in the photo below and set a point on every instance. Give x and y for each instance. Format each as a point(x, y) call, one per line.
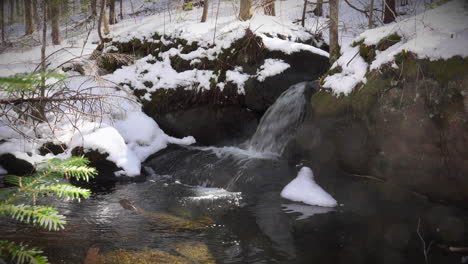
point(54, 8)
point(318, 11)
point(12, 12)
point(28, 17)
point(304, 11)
point(112, 19)
point(103, 20)
point(37, 19)
point(334, 45)
point(244, 10)
point(2, 7)
point(205, 11)
point(121, 9)
point(371, 14)
point(93, 8)
point(269, 7)
point(389, 11)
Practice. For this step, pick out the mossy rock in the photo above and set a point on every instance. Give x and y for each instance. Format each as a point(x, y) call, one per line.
point(410, 122)
point(53, 148)
point(153, 256)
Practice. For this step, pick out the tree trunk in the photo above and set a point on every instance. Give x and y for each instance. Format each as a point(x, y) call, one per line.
point(269, 7)
point(334, 46)
point(205, 11)
point(304, 11)
point(371, 14)
point(28, 17)
point(12, 12)
point(41, 107)
point(93, 8)
point(318, 11)
point(37, 19)
point(54, 20)
point(2, 7)
point(244, 12)
point(389, 11)
point(102, 20)
point(18, 11)
point(112, 12)
point(121, 9)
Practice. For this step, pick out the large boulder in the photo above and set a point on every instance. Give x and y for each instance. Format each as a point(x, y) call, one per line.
point(408, 128)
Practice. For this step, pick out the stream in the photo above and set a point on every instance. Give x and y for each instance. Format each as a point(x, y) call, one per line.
point(205, 204)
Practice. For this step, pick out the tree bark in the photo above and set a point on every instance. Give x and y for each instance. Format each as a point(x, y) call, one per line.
point(54, 20)
point(269, 7)
point(18, 10)
point(102, 20)
point(244, 10)
point(121, 9)
point(334, 45)
point(304, 11)
point(318, 11)
point(112, 12)
point(37, 19)
point(28, 17)
point(2, 7)
point(205, 11)
point(371, 14)
point(12, 12)
point(41, 107)
point(93, 8)
point(389, 11)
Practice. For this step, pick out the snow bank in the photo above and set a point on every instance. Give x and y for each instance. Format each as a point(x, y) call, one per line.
point(439, 33)
point(144, 137)
point(271, 67)
point(304, 189)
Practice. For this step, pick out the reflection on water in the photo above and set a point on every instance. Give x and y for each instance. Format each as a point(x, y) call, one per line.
point(247, 222)
point(305, 211)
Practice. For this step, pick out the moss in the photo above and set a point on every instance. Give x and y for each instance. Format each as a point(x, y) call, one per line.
point(388, 41)
point(367, 52)
point(148, 84)
point(152, 256)
point(195, 251)
point(335, 70)
point(360, 101)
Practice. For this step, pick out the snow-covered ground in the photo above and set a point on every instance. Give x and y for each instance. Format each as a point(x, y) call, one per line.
point(122, 130)
point(438, 33)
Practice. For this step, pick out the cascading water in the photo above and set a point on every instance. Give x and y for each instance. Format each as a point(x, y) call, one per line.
point(280, 121)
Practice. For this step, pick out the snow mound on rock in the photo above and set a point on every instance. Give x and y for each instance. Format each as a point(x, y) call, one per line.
point(304, 189)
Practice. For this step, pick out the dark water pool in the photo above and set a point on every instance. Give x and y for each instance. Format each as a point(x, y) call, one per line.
point(176, 222)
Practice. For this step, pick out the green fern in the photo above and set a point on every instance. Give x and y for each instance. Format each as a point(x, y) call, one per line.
point(22, 253)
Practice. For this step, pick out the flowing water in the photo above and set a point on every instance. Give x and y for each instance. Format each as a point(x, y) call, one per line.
point(222, 205)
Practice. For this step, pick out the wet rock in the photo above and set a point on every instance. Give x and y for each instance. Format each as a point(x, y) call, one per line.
point(105, 168)
point(16, 166)
point(53, 148)
point(413, 133)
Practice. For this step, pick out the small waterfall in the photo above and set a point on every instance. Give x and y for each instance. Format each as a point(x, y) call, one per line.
point(278, 125)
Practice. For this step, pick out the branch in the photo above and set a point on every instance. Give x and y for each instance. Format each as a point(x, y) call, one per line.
point(16, 101)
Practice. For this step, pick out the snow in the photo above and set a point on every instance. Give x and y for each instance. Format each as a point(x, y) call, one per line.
point(238, 78)
point(144, 137)
point(438, 33)
point(354, 70)
point(304, 189)
point(305, 211)
point(271, 67)
point(3, 171)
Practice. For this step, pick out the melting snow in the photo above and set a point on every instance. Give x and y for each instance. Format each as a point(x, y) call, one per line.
point(304, 189)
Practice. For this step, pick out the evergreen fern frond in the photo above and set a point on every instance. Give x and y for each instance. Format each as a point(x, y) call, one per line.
point(74, 167)
point(62, 191)
point(43, 216)
point(18, 180)
point(22, 254)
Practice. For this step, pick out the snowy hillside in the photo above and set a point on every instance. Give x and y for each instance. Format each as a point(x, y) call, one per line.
point(439, 33)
